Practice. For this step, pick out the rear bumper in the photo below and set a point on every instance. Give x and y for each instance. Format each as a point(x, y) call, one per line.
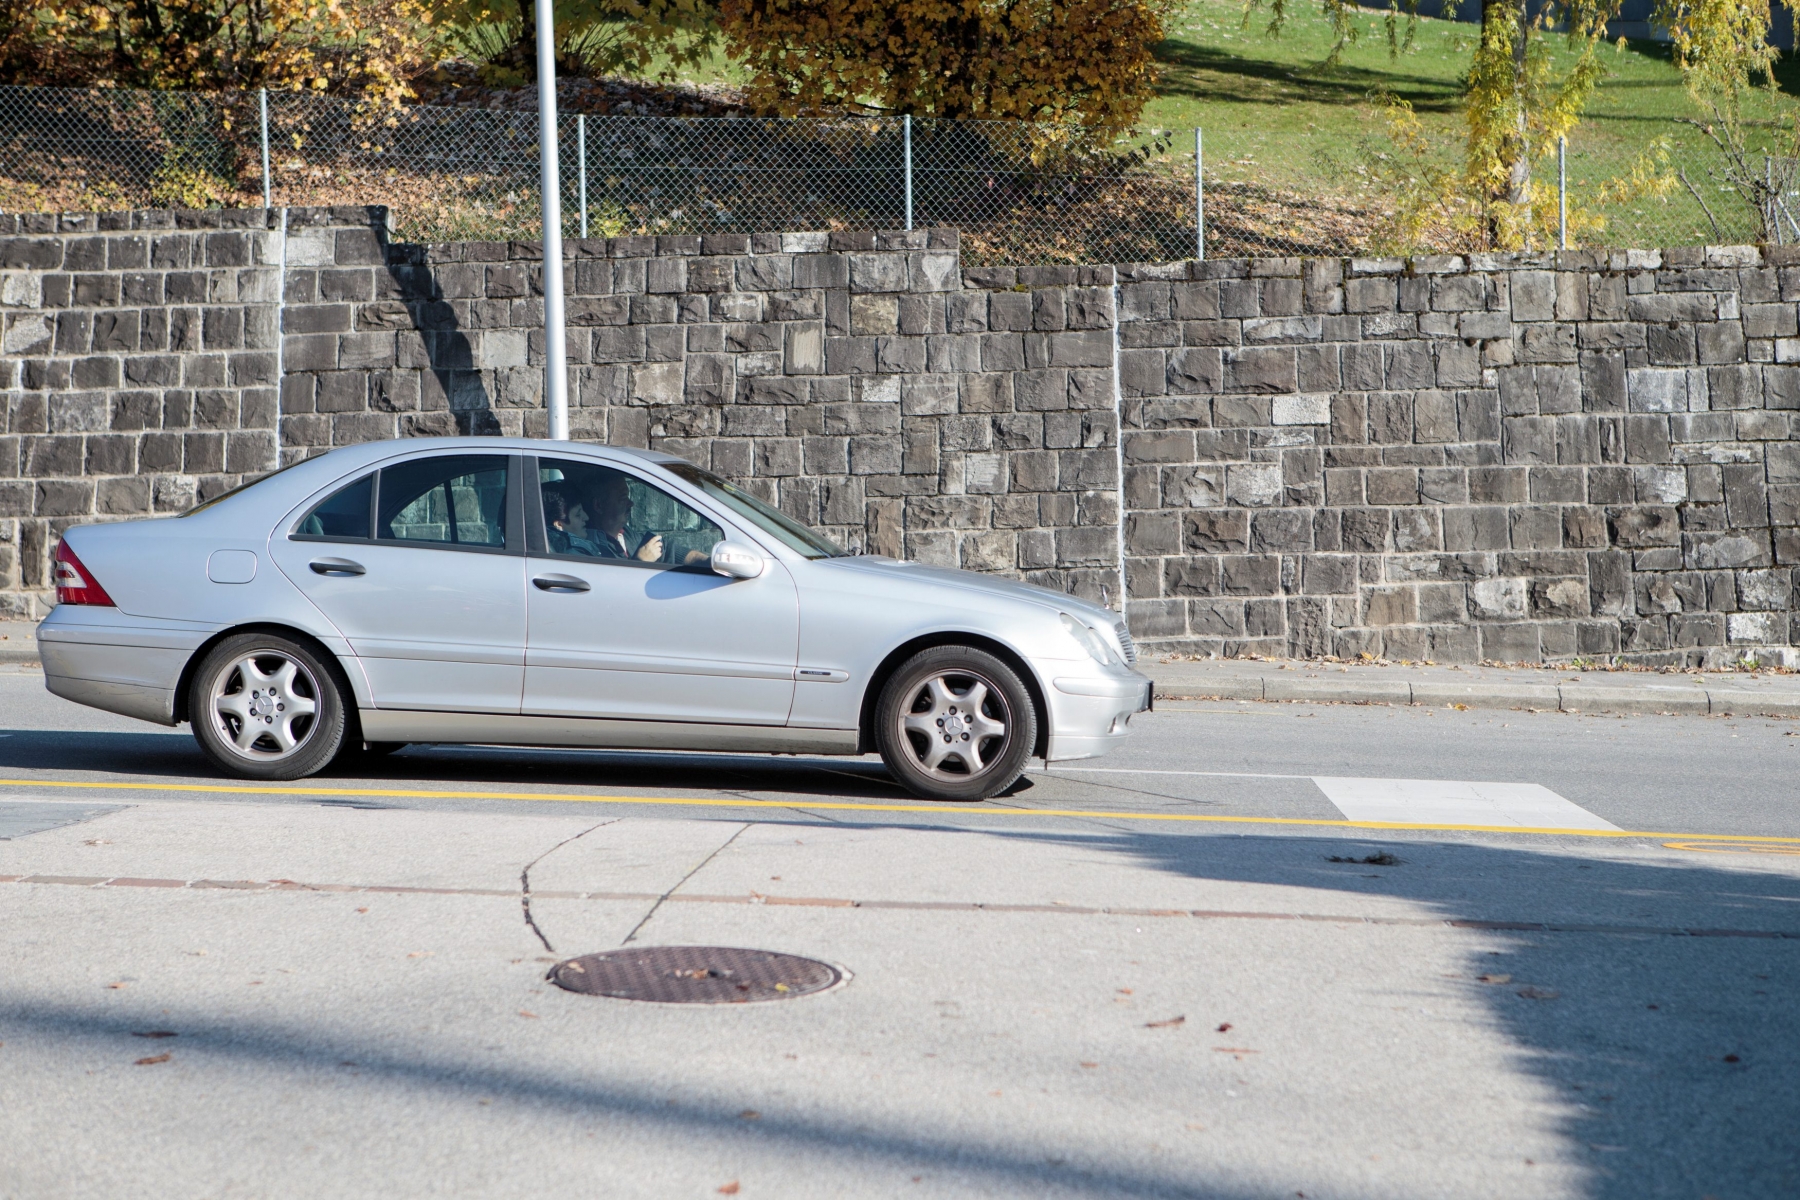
point(98, 659)
point(1090, 712)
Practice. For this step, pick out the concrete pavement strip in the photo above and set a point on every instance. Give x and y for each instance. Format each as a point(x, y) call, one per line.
point(290, 885)
point(1534, 689)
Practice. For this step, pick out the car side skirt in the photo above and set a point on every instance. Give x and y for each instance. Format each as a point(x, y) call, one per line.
point(403, 725)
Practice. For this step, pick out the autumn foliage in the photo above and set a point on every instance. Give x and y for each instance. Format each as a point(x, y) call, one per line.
point(371, 47)
point(1081, 61)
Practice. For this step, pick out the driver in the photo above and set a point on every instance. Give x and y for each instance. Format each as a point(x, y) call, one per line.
point(610, 510)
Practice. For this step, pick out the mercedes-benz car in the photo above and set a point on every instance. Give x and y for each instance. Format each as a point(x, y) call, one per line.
point(535, 593)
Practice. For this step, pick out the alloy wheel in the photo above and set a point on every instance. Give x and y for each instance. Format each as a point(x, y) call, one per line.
point(956, 725)
point(264, 705)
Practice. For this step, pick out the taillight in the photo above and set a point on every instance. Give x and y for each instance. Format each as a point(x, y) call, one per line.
point(75, 584)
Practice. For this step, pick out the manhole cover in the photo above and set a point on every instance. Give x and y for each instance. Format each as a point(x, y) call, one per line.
point(694, 975)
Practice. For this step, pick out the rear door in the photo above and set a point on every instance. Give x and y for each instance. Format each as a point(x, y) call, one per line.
point(420, 566)
point(627, 620)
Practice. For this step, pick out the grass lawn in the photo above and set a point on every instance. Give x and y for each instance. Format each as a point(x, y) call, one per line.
point(1274, 114)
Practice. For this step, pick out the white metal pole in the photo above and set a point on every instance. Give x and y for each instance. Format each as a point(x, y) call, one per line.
point(906, 134)
point(556, 369)
point(581, 165)
point(263, 102)
point(1199, 198)
point(1562, 193)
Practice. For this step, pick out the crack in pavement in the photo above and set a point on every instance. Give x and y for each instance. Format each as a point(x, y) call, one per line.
point(525, 880)
point(695, 871)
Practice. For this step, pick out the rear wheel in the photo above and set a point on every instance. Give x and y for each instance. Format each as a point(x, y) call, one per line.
point(955, 723)
point(265, 707)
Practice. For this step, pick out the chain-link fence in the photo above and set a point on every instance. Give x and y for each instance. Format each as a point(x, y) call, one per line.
point(1018, 192)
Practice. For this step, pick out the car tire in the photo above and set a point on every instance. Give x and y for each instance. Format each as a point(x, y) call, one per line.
point(943, 739)
point(263, 706)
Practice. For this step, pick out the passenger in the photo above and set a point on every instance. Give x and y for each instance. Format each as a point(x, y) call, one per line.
point(566, 524)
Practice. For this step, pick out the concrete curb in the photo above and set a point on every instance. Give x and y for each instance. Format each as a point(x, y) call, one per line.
point(1650, 699)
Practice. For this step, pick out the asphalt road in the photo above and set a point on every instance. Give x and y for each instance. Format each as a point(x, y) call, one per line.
point(1605, 1008)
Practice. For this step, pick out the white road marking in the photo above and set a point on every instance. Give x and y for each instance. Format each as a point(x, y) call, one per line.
point(1456, 802)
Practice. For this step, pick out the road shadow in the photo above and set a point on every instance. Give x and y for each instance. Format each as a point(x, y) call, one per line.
point(1655, 1000)
point(173, 755)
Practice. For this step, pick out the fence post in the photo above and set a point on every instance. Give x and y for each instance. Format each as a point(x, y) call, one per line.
point(906, 137)
point(1199, 198)
point(263, 103)
point(581, 165)
point(1562, 193)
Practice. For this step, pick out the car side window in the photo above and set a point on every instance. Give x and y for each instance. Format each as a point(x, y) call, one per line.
point(343, 515)
point(453, 500)
point(596, 512)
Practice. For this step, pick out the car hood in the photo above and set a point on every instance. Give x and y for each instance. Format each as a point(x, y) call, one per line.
point(969, 581)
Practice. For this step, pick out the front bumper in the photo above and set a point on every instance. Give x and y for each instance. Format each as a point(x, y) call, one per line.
point(1090, 712)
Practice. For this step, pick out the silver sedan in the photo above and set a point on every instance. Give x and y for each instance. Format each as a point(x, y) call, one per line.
point(533, 593)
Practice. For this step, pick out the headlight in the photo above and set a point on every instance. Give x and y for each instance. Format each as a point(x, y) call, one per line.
point(1090, 641)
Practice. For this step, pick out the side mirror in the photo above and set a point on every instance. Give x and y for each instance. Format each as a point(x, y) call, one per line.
point(735, 560)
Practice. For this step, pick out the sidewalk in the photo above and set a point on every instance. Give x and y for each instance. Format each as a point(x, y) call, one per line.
point(18, 642)
point(1540, 689)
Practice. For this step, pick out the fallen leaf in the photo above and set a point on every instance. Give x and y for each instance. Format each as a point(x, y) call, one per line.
point(1493, 979)
point(152, 1060)
point(1538, 993)
point(528, 1014)
point(1225, 1027)
point(156, 1033)
point(730, 1189)
point(1168, 1024)
point(749, 1114)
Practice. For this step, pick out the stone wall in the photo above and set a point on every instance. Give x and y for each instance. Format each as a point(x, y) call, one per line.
point(853, 379)
point(1504, 457)
point(138, 365)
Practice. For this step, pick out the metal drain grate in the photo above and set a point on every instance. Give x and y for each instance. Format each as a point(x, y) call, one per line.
point(694, 975)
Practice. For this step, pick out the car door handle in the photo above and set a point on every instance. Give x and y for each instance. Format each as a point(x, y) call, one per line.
point(561, 583)
point(336, 566)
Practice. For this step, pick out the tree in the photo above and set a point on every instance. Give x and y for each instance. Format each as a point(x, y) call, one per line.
point(1516, 103)
point(371, 47)
point(1081, 61)
point(1722, 48)
point(597, 37)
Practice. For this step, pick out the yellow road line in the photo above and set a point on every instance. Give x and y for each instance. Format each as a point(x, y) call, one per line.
point(852, 806)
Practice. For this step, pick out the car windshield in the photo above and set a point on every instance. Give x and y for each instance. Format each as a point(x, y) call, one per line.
point(767, 518)
point(242, 487)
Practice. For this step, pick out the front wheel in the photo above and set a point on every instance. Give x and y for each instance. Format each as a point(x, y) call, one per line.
point(265, 707)
point(955, 723)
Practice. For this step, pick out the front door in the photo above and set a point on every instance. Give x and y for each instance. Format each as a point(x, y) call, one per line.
point(420, 567)
point(626, 620)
